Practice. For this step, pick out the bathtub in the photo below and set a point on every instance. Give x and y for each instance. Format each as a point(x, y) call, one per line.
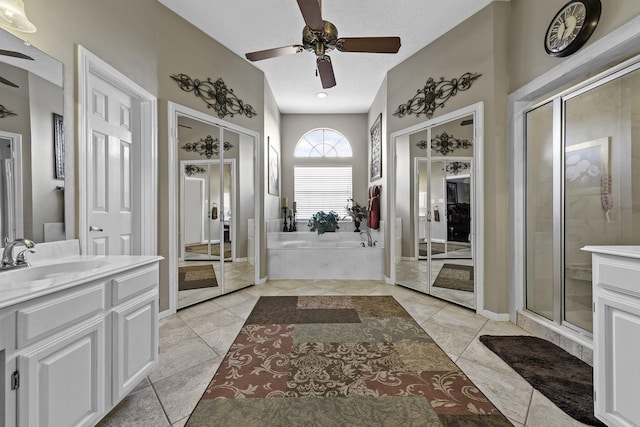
point(339, 255)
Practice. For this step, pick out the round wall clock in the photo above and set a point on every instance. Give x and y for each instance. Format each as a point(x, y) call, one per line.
point(572, 26)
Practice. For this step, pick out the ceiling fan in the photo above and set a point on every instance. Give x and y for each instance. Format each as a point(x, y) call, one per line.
point(13, 54)
point(320, 37)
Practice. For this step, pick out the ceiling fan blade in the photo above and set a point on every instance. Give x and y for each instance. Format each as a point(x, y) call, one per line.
point(325, 69)
point(7, 82)
point(311, 13)
point(15, 54)
point(273, 53)
point(369, 44)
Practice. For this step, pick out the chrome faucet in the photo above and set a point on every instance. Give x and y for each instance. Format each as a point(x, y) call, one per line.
point(8, 261)
point(369, 241)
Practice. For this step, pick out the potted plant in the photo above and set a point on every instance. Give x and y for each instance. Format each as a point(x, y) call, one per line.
point(357, 212)
point(322, 221)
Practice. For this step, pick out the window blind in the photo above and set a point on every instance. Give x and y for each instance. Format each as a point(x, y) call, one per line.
point(322, 189)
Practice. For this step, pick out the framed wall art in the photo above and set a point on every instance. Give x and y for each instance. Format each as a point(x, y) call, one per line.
point(274, 173)
point(586, 164)
point(58, 145)
point(376, 149)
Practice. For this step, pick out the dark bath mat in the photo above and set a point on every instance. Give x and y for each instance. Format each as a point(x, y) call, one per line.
point(563, 378)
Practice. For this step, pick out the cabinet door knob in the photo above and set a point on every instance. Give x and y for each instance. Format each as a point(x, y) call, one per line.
point(92, 228)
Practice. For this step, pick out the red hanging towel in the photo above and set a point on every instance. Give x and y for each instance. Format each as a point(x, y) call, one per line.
point(373, 213)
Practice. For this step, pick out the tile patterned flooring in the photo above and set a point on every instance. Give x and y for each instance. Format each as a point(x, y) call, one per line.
point(194, 341)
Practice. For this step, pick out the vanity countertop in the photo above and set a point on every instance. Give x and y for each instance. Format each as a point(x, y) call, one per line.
point(14, 291)
point(618, 250)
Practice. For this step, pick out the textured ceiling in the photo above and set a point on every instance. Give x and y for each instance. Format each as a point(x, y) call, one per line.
point(251, 25)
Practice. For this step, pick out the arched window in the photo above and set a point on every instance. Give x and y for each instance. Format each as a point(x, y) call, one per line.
point(317, 186)
point(323, 143)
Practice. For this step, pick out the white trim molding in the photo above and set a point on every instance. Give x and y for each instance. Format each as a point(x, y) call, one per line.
point(173, 110)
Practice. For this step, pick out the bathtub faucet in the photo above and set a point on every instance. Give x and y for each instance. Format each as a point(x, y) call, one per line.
point(369, 241)
point(8, 261)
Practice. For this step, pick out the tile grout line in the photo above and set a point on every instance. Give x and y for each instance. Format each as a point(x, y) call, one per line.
point(526, 417)
point(155, 392)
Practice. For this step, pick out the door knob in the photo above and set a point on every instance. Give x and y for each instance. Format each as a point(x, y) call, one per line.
point(92, 228)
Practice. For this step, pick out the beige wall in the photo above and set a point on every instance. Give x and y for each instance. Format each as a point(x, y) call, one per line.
point(352, 126)
point(146, 42)
point(379, 106)
point(529, 22)
point(272, 124)
point(478, 46)
point(182, 48)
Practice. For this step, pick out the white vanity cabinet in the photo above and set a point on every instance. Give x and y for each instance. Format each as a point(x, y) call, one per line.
point(77, 352)
point(616, 333)
point(134, 330)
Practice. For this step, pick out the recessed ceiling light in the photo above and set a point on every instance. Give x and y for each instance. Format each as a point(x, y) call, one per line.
point(321, 94)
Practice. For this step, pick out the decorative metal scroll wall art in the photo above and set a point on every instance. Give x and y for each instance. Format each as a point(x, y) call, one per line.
point(454, 168)
point(191, 170)
point(216, 95)
point(445, 144)
point(434, 95)
point(207, 147)
point(5, 112)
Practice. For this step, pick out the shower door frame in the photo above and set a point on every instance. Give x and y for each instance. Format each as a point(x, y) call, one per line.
point(559, 129)
point(612, 47)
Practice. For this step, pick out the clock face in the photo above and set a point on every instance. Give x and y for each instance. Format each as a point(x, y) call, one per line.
point(571, 27)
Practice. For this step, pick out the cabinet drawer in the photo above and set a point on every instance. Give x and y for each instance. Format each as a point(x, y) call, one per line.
point(619, 276)
point(127, 285)
point(39, 320)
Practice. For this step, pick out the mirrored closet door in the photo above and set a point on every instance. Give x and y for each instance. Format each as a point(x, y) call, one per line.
point(216, 210)
point(435, 209)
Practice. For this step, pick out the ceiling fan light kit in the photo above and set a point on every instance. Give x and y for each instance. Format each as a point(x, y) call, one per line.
point(13, 16)
point(320, 37)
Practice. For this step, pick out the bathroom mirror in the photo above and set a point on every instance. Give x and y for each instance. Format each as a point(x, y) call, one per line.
point(32, 179)
point(435, 207)
point(216, 210)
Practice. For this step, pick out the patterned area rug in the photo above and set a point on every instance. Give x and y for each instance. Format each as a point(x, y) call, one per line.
point(563, 378)
point(454, 276)
point(343, 361)
point(195, 277)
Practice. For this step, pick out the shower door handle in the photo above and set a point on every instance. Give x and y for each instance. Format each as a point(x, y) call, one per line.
point(92, 228)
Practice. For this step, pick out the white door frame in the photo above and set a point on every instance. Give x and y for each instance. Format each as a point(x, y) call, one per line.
point(90, 65)
point(478, 210)
point(173, 109)
point(17, 220)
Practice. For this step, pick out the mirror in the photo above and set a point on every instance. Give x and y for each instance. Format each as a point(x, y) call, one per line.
point(31, 143)
point(216, 211)
point(434, 209)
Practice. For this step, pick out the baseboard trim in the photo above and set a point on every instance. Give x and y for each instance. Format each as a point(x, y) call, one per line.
point(165, 313)
point(498, 317)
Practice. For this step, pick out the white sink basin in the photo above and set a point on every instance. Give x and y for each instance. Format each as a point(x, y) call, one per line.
point(51, 271)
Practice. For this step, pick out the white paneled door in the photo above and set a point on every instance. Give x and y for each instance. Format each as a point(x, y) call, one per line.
point(110, 173)
point(117, 161)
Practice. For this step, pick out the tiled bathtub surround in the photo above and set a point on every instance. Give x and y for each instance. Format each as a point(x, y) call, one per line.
point(335, 255)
